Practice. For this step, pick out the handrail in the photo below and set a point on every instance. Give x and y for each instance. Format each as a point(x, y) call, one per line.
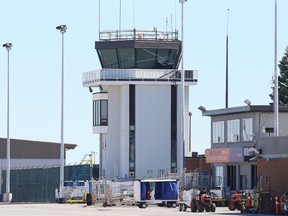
point(137, 75)
point(138, 35)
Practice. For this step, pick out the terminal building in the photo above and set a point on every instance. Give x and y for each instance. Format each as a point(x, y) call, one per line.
point(137, 103)
point(240, 136)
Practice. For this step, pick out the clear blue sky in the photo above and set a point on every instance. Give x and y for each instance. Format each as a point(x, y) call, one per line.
point(35, 59)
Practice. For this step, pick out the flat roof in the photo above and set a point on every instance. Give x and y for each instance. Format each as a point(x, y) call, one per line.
point(28, 149)
point(243, 109)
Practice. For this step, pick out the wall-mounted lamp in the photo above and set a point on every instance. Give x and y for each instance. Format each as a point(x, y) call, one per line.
point(247, 101)
point(90, 90)
point(202, 109)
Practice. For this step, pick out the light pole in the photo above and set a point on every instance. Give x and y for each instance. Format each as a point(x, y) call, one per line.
point(182, 140)
point(93, 152)
point(8, 195)
point(62, 29)
point(190, 128)
point(275, 96)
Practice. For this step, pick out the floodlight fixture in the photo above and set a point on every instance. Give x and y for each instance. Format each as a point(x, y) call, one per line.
point(202, 109)
point(247, 101)
point(7, 46)
point(62, 28)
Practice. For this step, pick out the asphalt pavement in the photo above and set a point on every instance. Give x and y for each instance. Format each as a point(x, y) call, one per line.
point(28, 209)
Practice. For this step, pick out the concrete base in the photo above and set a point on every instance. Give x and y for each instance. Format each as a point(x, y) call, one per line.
point(7, 197)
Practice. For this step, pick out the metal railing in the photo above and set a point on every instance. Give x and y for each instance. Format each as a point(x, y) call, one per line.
point(138, 35)
point(137, 75)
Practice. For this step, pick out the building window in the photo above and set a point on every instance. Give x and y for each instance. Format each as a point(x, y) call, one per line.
point(254, 176)
point(173, 129)
point(231, 177)
point(132, 136)
point(247, 129)
point(100, 112)
point(233, 130)
point(218, 132)
point(131, 149)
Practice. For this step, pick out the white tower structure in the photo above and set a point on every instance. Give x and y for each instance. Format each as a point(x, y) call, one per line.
point(137, 110)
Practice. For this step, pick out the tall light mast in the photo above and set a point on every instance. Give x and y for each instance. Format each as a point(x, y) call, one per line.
point(182, 139)
point(275, 97)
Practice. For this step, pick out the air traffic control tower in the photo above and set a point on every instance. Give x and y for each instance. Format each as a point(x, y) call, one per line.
point(137, 106)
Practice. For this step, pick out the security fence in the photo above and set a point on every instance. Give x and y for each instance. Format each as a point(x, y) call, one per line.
point(38, 185)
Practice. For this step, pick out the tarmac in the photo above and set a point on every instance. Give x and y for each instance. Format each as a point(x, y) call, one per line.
point(28, 209)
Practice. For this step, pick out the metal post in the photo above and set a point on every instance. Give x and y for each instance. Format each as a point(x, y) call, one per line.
point(8, 198)
point(182, 140)
point(275, 97)
point(62, 29)
point(99, 27)
point(190, 128)
point(227, 64)
point(93, 152)
point(120, 15)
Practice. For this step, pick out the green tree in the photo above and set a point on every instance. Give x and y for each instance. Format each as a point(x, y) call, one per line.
point(282, 80)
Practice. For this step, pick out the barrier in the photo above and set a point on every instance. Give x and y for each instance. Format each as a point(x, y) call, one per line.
point(249, 200)
point(277, 206)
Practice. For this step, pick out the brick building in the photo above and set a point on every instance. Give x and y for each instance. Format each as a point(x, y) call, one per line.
point(273, 176)
point(198, 163)
point(272, 169)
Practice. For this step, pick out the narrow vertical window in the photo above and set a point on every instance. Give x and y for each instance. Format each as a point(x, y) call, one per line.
point(173, 129)
point(132, 141)
point(100, 112)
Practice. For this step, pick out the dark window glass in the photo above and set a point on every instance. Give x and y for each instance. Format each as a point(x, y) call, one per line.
point(166, 58)
point(173, 129)
point(146, 58)
point(132, 141)
point(231, 177)
point(104, 112)
point(94, 113)
point(132, 147)
point(254, 176)
point(109, 58)
point(126, 58)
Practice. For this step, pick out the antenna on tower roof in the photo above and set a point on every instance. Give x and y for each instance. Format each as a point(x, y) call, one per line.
point(120, 11)
point(133, 14)
point(171, 22)
point(99, 19)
